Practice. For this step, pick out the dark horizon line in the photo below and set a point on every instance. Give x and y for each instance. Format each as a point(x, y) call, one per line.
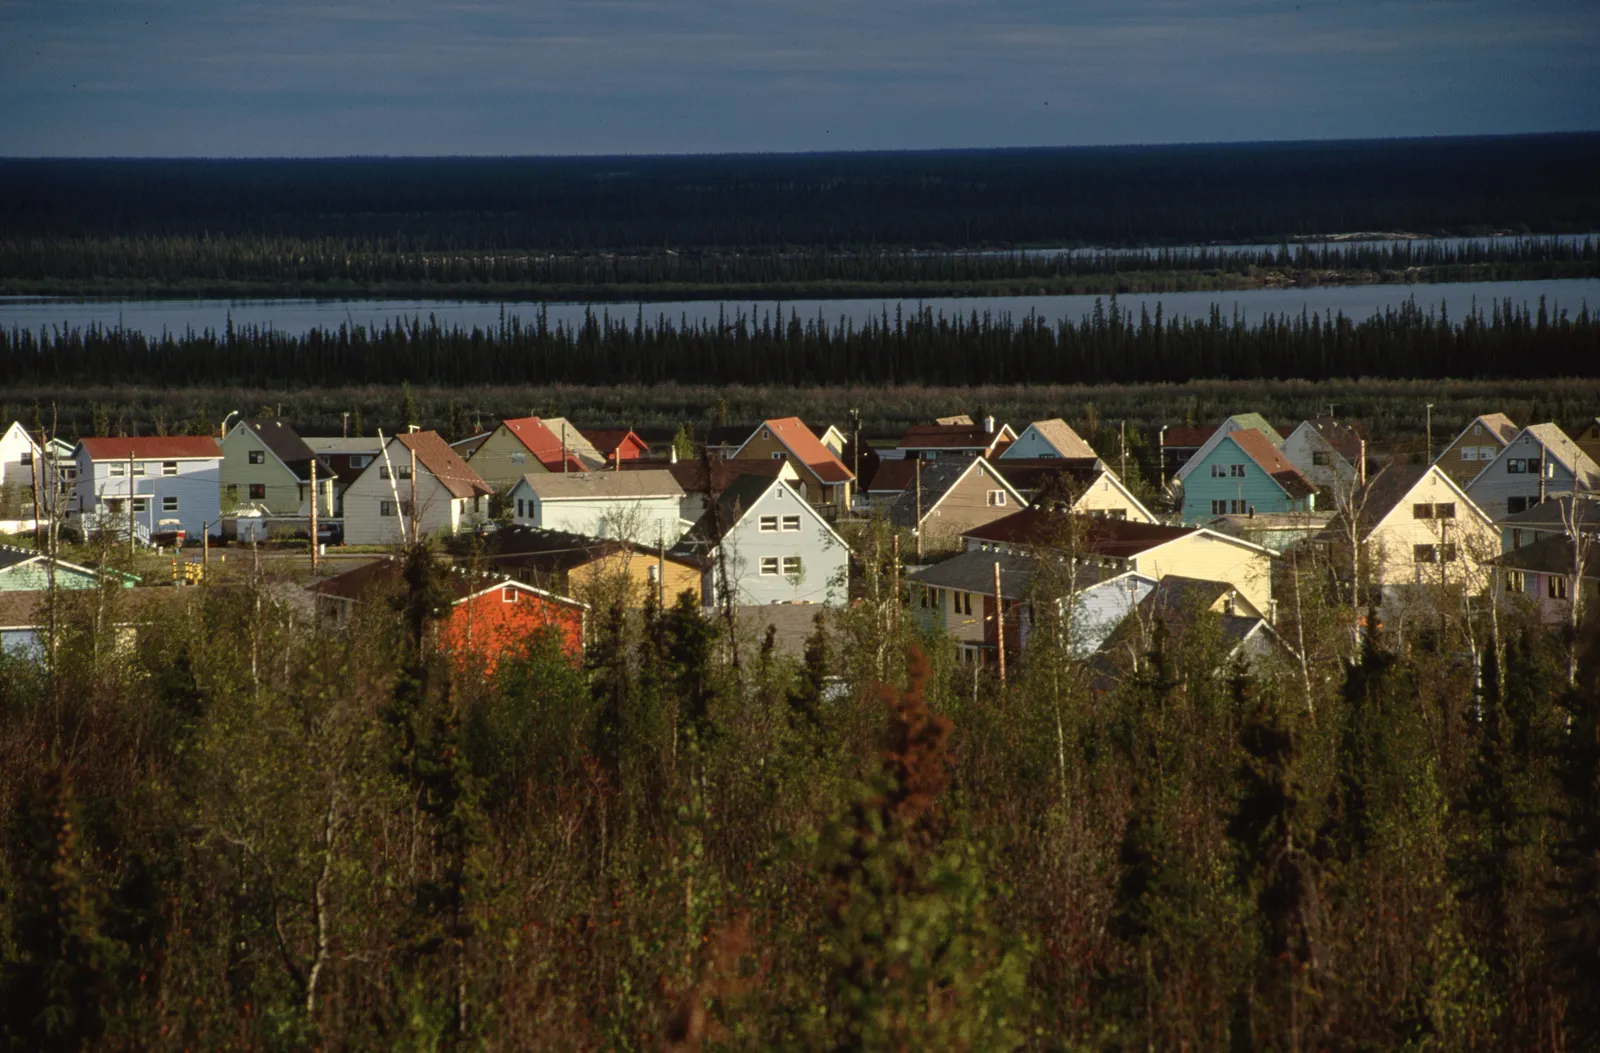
point(947, 151)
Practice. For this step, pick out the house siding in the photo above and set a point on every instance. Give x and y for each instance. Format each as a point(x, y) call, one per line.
point(1213, 557)
point(196, 487)
point(438, 511)
point(636, 568)
point(824, 558)
point(1391, 545)
point(1106, 495)
point(283, 488)
point(647, 520)
point(1494, 486)
point(503, 460)
point(1301, 448)
point(1475, 439)
point(966, 506)
point(488, 629)
point(1254, 489)
point(1031, 444)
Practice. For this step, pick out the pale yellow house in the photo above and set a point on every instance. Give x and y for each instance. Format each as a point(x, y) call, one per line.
point(581, 566)
point(1418, 527)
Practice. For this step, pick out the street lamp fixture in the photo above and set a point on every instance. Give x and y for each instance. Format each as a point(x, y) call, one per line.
point(223, 431)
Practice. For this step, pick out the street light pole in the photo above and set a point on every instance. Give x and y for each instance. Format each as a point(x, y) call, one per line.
point(222, 432)
point(1430, 432)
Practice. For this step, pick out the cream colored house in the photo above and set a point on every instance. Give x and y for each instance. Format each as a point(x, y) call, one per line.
point(417, 484)
point(1418, 527)
point(267, 465)
point(1048, 439)
point(1479, 443)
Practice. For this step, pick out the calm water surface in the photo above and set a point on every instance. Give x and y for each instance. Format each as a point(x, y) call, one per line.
point(154, 317)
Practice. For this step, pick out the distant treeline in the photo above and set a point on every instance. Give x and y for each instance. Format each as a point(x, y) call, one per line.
point(268, 265)
point(1111, 345)
point(1109, 196)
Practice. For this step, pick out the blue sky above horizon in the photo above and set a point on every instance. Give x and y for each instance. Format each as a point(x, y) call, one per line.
point(496, 77)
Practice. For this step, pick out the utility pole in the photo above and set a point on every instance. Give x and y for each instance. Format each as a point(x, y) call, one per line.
point(999, 625)
point(416, 528)
point(1430, 432)
point(661, 569)
point(314, 550)
point(894, 584)
point(1123, 472)
point(918, 524)
point(131, 491)
point(1161, 438)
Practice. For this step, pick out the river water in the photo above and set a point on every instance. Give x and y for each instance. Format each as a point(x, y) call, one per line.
point(154, 317)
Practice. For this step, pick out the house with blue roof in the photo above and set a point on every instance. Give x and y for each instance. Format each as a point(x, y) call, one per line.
point(1243, 473)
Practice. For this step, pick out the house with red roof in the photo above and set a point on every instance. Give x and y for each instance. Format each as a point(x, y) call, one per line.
point(523, 445)
point(137, 484)
point(618, 444)
point(933, 442)
point(824, 479)
point(489, 617)
point(1242, 472)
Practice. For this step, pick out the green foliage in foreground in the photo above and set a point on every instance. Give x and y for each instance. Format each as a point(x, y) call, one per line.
point(247, 831)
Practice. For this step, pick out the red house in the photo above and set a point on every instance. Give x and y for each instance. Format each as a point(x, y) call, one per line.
point(490, 615)
point(618, 444)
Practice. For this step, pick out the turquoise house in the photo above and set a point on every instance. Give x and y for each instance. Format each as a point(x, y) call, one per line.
point(24, 570)
point(1241, 474)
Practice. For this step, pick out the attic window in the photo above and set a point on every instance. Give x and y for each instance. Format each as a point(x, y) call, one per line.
point(997, 498)
point(169, 467)
point(766, 434)
point(777, 455)
point(769, 524)
point(508, 595)
point(1469, 453)
point(258, 457)
point(1477, 429)
point(1319, 458)
point(791, 523)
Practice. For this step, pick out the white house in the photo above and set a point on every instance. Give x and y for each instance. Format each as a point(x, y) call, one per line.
point(19, 455)
point(1540, 462)
point(417, 483)
point(1048, 438)
point(639, 506)
point(772, 545)
point(1331, 453)
point(166, 477)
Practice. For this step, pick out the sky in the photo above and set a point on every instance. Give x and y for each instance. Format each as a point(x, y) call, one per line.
point(497, 77)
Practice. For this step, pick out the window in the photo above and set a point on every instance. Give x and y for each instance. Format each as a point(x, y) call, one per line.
point(258, 456)
point(769, 524)
point(258, 491)
point(141, 505)
point(963, 603)
point(169, 467)
point(1515, 582)
point(1422, 511)
point(169, 504)
point(1116, 513)
point(1425, 553)
point(791, 565)
point(508, 595)
point(1320, 458)
point(1237, 507)
point(402, 472)
point(1477, 429)
point(922, 594)
point(1485, 453)
point(119, 469)
point(1556, 586)
point(765, 434)
point(1218, 471)
point(27, 457)
point(386, 508)
point(1444, 510)
point(1447, 552)
point(777, 455)
point(359, 460)
point(522, 510)
point(1236, 470)
point(1469, 453)
point(519, 456)
point(1516, 466)
point(1518, 504)
point(997, 498)
point(1516, 538)
point(791, 524)
point(138, 467)
point(769, 565)
point(1219, 508)
point(1534, 466)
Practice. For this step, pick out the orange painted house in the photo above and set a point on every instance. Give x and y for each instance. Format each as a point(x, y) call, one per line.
point(490, 615)
point(619, 444)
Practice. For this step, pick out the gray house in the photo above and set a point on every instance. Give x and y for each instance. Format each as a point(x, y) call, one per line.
point(772, 545)
point(1540, 462)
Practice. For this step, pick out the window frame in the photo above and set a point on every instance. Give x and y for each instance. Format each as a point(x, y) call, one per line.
point(256, 456)
point(169, 503)
point(258, 492)
point(769, 566)
point(789, 524)
point(767, 525)
point(785, 570)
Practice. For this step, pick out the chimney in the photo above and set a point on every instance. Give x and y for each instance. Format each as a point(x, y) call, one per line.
point(672, 455)
point(988, 425)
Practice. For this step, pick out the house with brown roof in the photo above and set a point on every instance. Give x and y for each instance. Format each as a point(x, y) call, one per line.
point(1049, 438)
point(575, 565)
point(1542, 574)
point(941, 500)
point(137, 483)
point(265, 463)
point(1239, 472)
point(1085, 485)
point(824, 479)
point(1114, 546)
point(1587, 436)
point(1541, 461)
point(416, 485)
point(1479, 443)
point(1331, 453)
point(935, 441)
point(522, 445)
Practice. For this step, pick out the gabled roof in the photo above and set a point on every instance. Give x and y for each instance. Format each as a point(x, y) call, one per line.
point(1559, 445)
point(1239, 422)
point(974, 572)
point(1551, 555)
point(153, 448)
point(1388, 490)
point(382, 575)
point(16, 426)
point(576, 443)
point(1186, 436)
point(1550, 514)
point(542, 443)
point(443, 463)
point(1257, 423)
point(554, 551)
point(1496, 424)
point(1344, 437)
point(803, 443)
point(607, 440)
point(469, 446)
point(735, 499)
point(357, 444)
point(1118, 538)
point(1059, 434)
point(563, 486)
point(938, 479)
point(1050, 476)
point(1271, 460)
point(956, 437)
point(287, 446)
point(691, 475)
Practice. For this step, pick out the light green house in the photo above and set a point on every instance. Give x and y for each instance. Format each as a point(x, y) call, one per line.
point(265, 463)
point(24, 570)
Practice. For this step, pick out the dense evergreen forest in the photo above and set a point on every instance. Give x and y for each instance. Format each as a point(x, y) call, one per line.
point(252, 265)
point(1109, 346)
point(953, 199)
point(249, 831)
